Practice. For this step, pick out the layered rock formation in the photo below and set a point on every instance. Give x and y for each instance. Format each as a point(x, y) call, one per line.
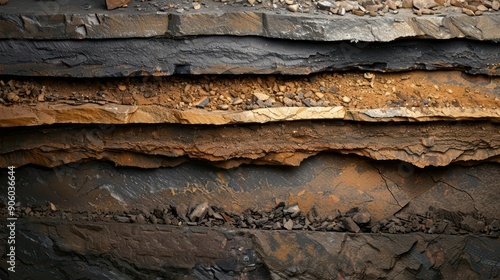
point(428, 144)
point(96, 251)
point(129, 177)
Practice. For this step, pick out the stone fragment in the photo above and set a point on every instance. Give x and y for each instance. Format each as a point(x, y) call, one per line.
point(251, 2)
point(294, 210)
point(199, 212)
point(495, 5)
point(128, 99)
point(363, 217)
point(196, 6)
point(391, 5)
point(276, 226)
point(122, 219)
point(153, 219)
point(214, 214)
point(113, 4)
point(289, 2)
point(482, 8)
point(358, 12)
point(288, 102)
point(12, 97)
point(319, 95)
point(181, 210)
point(468, 12)
point(470, 7)
point(471, 224)
point(41, 97)
point(348, 5)
point(346, 99)
point(407, 4)
point(223, 107)
point(288, 224)
point(293, 8)
point(237, 101)
point(424, 4)
point(140, 219)
point(202, 102)
point(326, 5)
point(166, 219)
point(260, 96)
point(52, 207)
point(350, 225)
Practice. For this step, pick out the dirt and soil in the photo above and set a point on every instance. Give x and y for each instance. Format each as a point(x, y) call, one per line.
point(354, 90)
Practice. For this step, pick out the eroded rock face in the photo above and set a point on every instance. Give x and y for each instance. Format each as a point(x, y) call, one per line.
point(242, 55)
point(150, 146)
point(97, 250)
point(54, 21)
point(326, 182)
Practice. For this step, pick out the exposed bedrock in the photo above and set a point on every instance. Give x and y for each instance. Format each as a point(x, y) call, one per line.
point(239, 55)
point(59, 250)
point(25, 19)
point(325, 181)
point(288, 143)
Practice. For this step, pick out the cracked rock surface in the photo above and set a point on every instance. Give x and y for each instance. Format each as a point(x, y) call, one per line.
point(299, 20)
point(96, 250)
point(326, 182)
point(152, 146)
point(239, 55)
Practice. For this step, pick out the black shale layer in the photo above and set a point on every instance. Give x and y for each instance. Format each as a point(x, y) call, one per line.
point(239, 55)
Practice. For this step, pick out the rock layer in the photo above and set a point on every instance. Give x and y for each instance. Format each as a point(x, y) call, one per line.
point(71, 20)
point(238, 55)
point(424, 144)
point(95, 250)
point(112, 114)
point(326, 182)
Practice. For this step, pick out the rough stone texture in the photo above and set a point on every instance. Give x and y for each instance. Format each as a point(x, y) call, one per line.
point(326, 182)
point(113, 4)
point(58, 250)
point(239, 55)
point(424, 144)
point(53, 20)
point(113, 114)
point(457, 191)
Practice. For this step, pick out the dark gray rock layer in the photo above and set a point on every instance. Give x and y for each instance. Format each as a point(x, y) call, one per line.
point(56, 20)
point(238, 55)
point(327, 181)
point(58, 250)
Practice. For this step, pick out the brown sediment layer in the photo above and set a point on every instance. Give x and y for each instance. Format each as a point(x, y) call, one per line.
point(151, 146)
point(373, 97)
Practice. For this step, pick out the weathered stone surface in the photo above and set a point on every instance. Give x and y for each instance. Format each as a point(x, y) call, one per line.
point(425, 144)
point(315, 256)
point(202, 55)
point(113, 4)
point(456, 192)
point(43, 114)
point(326, 181)
point(52, 20)
point(93, 250)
